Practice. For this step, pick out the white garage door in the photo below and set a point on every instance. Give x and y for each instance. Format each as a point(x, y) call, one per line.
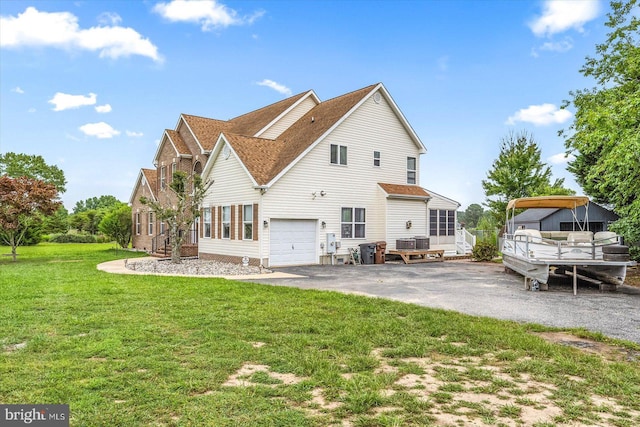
point(293, 242)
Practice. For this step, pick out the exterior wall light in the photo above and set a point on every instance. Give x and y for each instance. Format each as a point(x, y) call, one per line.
point(408, 225)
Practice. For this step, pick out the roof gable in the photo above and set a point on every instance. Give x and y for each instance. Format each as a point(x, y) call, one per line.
point(147, 177)
point(311, 128)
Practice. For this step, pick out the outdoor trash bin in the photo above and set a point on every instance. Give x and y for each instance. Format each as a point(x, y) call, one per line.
point(381, 248)
point(367, 251)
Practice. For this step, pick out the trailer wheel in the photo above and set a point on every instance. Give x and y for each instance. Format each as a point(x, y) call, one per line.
point(615, 249)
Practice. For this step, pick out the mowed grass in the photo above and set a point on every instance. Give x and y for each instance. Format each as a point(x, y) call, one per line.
point(147, 350)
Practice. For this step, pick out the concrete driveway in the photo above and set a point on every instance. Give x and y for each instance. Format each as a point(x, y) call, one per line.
point(481, 289)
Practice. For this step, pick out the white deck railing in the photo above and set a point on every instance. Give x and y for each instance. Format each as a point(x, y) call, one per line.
point(465, 241)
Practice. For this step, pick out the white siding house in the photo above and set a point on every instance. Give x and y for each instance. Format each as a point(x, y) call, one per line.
point(288, 177)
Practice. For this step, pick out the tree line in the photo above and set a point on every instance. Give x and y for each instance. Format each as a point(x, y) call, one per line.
point(30, 207)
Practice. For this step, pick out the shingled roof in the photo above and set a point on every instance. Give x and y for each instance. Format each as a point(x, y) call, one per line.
point(249, 124)
point(207, 131)
point(265, 158)
point(399, 190)
point(177, 141)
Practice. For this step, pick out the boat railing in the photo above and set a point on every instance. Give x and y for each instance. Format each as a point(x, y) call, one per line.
point(533, 247)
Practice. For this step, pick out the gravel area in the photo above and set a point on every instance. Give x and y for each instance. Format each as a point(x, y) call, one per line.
point(193, 267)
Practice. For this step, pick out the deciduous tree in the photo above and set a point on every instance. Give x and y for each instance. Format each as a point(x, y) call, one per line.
point(604, 136)
point(96, 203)
point(518, 172)
point(179, 207)
point(22, 200)
point(117, 224)
point(17, 164)
point(472, 215)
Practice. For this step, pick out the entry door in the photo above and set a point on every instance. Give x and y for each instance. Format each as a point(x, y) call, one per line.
point(293, 242)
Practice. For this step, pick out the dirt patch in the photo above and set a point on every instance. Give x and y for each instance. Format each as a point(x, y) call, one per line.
point(633, 277)
point(607, 351)
point(457, 391)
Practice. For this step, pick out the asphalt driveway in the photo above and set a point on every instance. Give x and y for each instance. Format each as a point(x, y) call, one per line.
point(481, 289)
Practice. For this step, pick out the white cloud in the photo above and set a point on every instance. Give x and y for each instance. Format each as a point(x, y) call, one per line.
point(544, 114)
point(61, 30)
point(109, 18)
point(31, 110)
point(100, 130)
point(63, 101)
point(106, 108)
point(209, 14)
point(134, 134)
point(17, 89)
point(561, 15)
point(561, 158)
point(551, 46)
point(275, 86)
point(561, 46)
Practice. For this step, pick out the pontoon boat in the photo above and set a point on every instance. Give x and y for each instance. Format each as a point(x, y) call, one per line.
point(600, 257)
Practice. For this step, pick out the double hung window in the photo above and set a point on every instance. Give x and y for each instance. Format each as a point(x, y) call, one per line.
point(226, 222)
point(411, 170)
point(338, 154)
point(206, 220)
point(247, 222)
point(150, 223)
point(353, 223)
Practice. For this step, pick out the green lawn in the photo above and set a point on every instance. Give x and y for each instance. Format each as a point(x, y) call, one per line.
point(144, 350)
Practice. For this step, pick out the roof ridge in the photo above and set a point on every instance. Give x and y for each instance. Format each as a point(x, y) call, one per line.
point(289, 98)
point(352, 92)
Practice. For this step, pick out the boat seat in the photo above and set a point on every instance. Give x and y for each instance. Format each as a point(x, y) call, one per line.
point(580, 237)
point(532, 235)
point(605, 237)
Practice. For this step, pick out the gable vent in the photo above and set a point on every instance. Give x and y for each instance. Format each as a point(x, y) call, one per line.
point(377, 97)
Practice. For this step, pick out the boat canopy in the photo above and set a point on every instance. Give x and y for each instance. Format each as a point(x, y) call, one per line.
point(561, 202)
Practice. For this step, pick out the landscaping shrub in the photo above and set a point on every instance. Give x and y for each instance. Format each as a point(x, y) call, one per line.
point(72, 238)
point(484, 251)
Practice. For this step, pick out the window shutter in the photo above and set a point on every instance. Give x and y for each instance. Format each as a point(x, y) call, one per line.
point(232, 232)
point(240, 223)
point(213, 222)
point(219, 222)
point(201, 222)
point(255, 221)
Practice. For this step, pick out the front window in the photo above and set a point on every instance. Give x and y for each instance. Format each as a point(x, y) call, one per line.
point(206, 219)
point(226, 222)
point(353, 223)
point(376, 158)
point(163, 177)
point(442, 222)
point(150, 223)
point(162, 227)
point(247, 221)
point(338, 154)
point(174, 168)
point(433, 222)
point(138, 224)
point(411, 170)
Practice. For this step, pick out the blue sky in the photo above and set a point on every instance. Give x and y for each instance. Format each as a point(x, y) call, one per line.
point(91, 85)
